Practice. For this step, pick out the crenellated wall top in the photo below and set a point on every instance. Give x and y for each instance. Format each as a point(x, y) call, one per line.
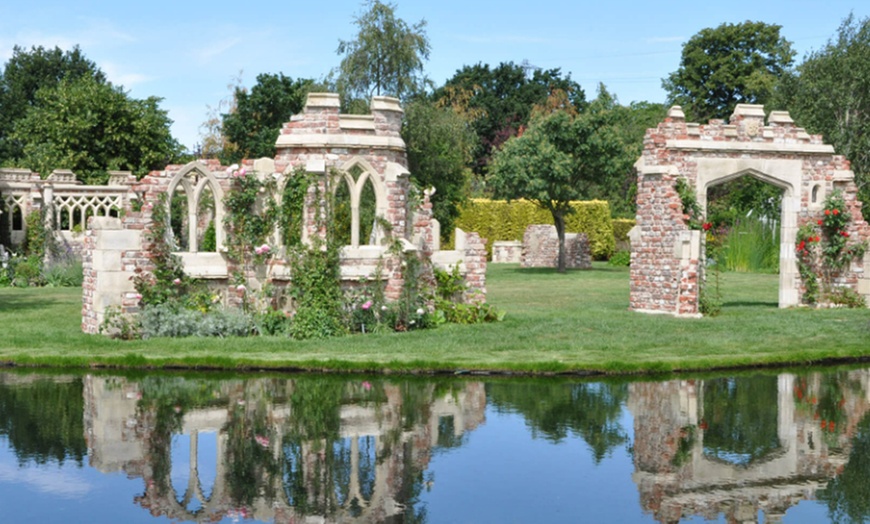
point(746, 131)
point(321, 125)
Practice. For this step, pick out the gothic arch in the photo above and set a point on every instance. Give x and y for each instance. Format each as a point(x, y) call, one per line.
point(194, 194)
point(357, 186)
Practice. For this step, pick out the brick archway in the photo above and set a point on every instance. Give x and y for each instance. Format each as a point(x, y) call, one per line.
point(665, 269)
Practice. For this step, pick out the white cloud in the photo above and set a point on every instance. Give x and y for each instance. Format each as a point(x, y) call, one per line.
point(118, 76)
point(208, 53)
point(60, 483)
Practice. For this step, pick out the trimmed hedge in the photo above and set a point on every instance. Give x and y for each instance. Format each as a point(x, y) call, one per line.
point(497, 220)
point(621, 227)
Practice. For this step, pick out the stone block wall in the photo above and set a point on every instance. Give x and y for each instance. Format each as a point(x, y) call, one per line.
point(507, 252)
point(541, 248)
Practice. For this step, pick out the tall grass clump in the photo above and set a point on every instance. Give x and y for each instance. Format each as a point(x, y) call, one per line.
point(752, 246)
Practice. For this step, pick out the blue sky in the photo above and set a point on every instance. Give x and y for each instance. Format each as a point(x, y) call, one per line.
point(188, 51)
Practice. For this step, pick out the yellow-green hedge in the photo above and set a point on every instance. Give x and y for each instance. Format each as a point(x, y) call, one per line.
point(497, 220)
point(621, 227)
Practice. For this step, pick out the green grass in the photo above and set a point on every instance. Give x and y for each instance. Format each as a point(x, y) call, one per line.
point(577, 322)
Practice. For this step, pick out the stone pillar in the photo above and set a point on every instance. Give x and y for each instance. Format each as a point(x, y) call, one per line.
point(107, 282)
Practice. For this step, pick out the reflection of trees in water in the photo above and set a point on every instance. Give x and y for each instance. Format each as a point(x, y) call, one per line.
point(43, 419)
point(848, 494)
point(553, 409)
point(740, 415)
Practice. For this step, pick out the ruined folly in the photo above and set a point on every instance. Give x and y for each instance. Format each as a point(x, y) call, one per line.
point(668, 260)
point(110, 225)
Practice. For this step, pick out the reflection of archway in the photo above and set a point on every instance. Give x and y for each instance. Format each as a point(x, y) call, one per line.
point(666, 246)
point(782, 173)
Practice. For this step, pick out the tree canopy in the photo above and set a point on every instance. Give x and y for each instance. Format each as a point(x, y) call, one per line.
point(91, 127)
point(728, 65)
point(253, 126)
point(385, 58)
point(440, 143)
point(829, 94)
point(27, 72)
point(560, 157)
point(500, 100)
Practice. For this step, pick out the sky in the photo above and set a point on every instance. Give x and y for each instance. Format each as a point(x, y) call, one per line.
point(188, 52)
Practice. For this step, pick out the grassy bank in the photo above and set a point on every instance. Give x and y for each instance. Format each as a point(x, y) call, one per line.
point(577, 322)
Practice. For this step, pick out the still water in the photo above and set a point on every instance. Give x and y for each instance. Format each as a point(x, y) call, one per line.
point(774, 447)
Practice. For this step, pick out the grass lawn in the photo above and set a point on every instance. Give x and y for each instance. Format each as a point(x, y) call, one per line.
point(576, 322)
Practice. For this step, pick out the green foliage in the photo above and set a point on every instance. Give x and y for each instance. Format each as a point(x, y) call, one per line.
point(42, 421)
point(92, 127)
point(556, 160)
point(500, 100)
point(823, 252)
point(24, 75)
point(168, 320)
point(499, 220)
point(292, 206)
point(317, 292)
point(167, 282)
point(728, 203)
point(254, 124)
point(385, 58)
point(691, 208)
point(251, 216)
point(728, 65)
point(440, 143)
point(620, 259)
point(827, 95)
point(752, 245)
point(621, 227)
point(848, 494)
point(63, 273)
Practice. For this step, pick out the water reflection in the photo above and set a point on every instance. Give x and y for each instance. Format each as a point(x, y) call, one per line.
point(285, 448)
point(739, 449)
point(751, 446)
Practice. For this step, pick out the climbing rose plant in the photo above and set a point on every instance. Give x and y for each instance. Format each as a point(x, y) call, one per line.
point(824, 249)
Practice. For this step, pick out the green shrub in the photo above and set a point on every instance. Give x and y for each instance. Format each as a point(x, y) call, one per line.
point(621, 227)
point(167, 320)
point(620, 259)
point(752, 246)
point(67, 273)
point(498, 220)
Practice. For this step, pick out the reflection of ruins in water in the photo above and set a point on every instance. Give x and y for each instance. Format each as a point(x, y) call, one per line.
point(693, 458)
point(359, 457)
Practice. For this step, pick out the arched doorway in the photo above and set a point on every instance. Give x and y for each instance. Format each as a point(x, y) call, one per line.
point(666, 266)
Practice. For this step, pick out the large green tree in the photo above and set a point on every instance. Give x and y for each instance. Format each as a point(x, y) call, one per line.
point(829, 94)
point(560, 157)
point(254, 124)
point(500, 100)
point(385, 58)
point(91, 127)
point(440, 143)
point(728, 65)
point(27, 72)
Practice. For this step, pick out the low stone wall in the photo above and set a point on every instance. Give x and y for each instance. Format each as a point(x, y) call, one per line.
point(507, 252)
point(541, 248)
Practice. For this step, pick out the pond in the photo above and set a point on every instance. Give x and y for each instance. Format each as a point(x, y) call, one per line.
point(765, 447)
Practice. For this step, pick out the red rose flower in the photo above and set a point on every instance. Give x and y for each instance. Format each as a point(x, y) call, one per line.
point(836, 211)
point(801, 245)
point(827, 212)
point(845, 234)
point(707, 226)
point(821, 221)
point(818, 238)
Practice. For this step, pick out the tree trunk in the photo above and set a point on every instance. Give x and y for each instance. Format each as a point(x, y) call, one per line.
point(559, 221)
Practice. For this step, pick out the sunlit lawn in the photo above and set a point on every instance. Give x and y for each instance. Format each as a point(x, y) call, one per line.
point(578, 321)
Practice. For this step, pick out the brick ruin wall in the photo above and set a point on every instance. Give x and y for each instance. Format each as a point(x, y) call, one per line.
point(321, 141)
point(541, 248)
point(665, 261)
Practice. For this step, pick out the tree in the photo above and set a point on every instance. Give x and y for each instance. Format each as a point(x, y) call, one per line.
point(26, 73)
point(557, 159)
point(728, 65)
point(91, 127)
point(829, 94)
point(501, 100)
point(386, 58)
point(440, 143)
point(254, 124)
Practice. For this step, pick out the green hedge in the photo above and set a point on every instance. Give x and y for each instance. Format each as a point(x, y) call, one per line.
point(497, 220)
point(621, 227)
